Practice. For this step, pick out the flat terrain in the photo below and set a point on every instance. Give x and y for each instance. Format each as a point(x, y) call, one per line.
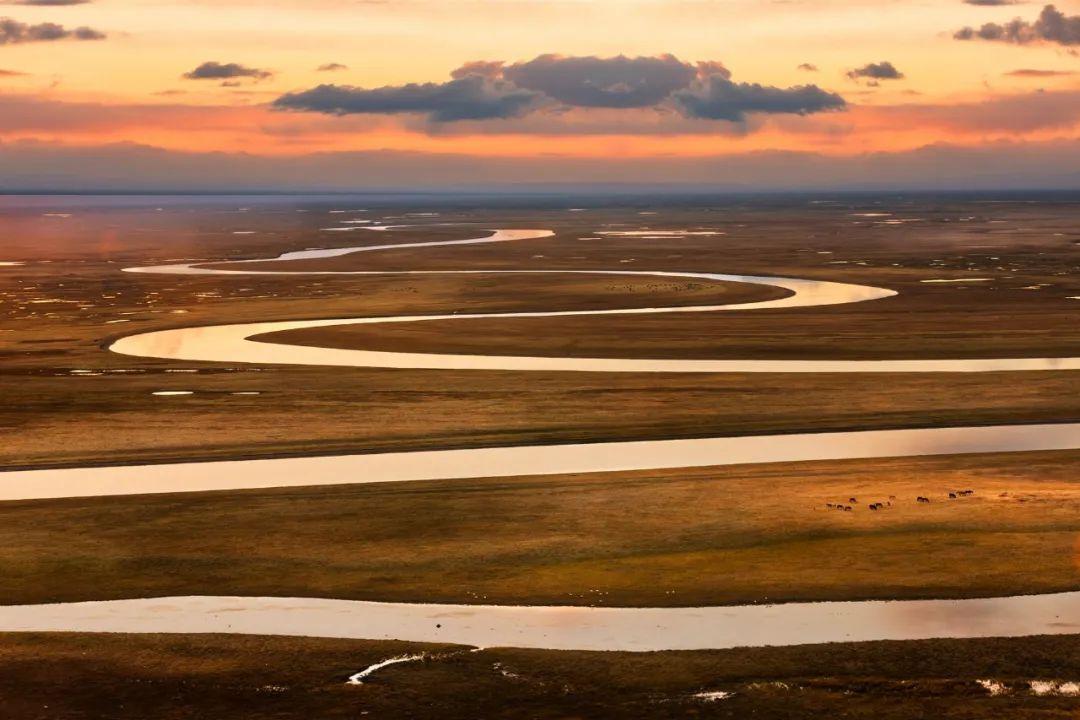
point(998, 299)
point(725, 535)
point(126, 677)
point(659, 538)
point(68, 402)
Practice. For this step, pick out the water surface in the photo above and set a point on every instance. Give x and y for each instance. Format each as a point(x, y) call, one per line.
point(570, 628)
point(564, 628)
point(233, 343)
point(530, 460)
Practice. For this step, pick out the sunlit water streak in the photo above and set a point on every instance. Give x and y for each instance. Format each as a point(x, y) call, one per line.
point(529, 460)
point(233, 343)
point(568, 627)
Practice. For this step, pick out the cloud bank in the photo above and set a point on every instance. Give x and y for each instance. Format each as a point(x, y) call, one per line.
point(717, 98)
point(13, 32)
point(1052, 26)
point(883, 70)
point(123, 167)
point(472, 97)
point(213, 70)
point(485, 90)
point(619, 82)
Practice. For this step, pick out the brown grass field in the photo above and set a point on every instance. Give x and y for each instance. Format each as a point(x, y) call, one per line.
point(683, 537)
point(649, 538)
point(189, 677)
point(52, 417)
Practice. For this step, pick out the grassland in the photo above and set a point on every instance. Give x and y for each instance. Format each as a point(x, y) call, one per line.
point(526, 540)
point(95, 677)
point(661, 538)
point(55, 417)
point(1001, 299)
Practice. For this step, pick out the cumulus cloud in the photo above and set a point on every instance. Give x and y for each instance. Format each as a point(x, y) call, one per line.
point(491, 89)
point(883, 70)
point(332, 67)
point(472, 97)
point(213, 70)
point(717, 98)
point(13, 32)
point(483, 68)
point(712, 67)
point(1052, 26)
point(808, 67)
point(618, 82)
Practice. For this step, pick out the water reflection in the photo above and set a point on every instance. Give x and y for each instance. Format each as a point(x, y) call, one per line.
point(233, 343)
point(531, 460)
point(565, 628)
point(319, 253)
point(581, 628)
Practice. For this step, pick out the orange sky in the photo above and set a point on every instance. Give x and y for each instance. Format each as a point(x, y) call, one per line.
point(129, 86)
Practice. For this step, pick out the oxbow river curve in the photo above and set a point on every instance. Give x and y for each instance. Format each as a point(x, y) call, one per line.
point(585, 628)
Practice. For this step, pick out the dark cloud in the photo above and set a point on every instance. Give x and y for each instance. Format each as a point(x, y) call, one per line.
point(13, 32)
point(808, 67)
point(85, 33)
point(332, 67)
point(483, 68)
point(618, 82)
point(1052, 26)
point(488, 90)
point(1012, 115)
point(226, 71)
point(11, 73)
point(708, 68)
point(471, 97)
point(883, 70)
point(992, 3)
point(717, 98)
point(601, 122)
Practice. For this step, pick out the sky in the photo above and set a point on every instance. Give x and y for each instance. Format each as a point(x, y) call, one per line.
point(362, 94)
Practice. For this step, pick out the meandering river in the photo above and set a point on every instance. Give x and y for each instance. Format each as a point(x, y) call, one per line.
point(582, 628)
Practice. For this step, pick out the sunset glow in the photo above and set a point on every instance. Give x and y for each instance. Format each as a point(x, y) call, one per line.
point(832, 78)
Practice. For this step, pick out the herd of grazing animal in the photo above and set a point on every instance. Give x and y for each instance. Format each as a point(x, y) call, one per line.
point(848, 507)
point(855, 501)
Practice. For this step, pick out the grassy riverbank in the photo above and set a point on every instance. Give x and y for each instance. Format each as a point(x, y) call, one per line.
point(71, 298)
point(133, 677)
point(659, 538)
point(651, 538)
